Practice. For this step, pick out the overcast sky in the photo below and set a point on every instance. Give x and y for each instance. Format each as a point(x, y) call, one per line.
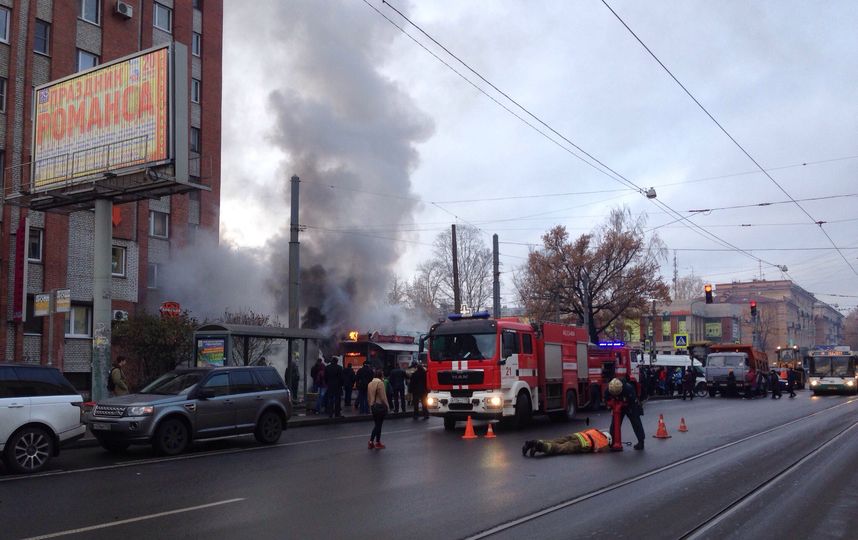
point(388, 140)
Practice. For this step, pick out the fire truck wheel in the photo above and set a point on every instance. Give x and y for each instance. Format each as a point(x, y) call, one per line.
point(571, 405)
point(449, 423)
point(523, 409)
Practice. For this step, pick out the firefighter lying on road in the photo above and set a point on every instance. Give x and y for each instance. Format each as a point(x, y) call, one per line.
point(583, 442)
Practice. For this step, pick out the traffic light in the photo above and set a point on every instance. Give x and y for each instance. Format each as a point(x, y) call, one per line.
point(753, 308)
point(708, 290)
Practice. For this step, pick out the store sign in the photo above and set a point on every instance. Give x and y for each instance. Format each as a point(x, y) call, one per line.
point(713, 329)
point(171, 309)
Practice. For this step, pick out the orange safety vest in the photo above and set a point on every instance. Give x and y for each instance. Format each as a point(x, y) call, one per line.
point(596, 438)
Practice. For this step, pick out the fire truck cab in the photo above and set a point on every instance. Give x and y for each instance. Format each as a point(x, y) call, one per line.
point(507, 369)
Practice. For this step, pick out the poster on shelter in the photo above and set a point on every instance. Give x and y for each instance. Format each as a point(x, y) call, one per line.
point(210, 352)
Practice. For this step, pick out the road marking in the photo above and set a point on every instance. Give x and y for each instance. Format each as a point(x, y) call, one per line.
point(565, 504)
point(132, 520)
point(126, 464)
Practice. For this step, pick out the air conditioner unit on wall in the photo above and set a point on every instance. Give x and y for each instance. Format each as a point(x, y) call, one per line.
point(124, 9)
point(120, 315)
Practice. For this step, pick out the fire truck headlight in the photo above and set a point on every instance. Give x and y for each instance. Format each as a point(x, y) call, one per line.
point(431, 402)
point(494, 402)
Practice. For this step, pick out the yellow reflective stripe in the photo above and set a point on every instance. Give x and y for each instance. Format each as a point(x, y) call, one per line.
point(585, 442)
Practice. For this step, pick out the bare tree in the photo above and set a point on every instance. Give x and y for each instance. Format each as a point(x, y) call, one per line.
point(424, 291)
point(475, 267)
point(688, 287)
point(398, 291)
point(850, 329)
point(596, 278)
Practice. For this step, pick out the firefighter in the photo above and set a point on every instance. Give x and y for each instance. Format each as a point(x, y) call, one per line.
point(589, 441)
point(632, 408)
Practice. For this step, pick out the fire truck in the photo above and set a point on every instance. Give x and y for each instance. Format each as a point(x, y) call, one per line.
point(507, 369)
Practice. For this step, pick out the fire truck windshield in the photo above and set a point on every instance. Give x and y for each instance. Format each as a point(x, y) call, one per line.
point(463, 347)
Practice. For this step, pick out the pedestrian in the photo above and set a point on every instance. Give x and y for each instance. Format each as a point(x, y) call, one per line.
point(677, 380)
point(418, 390)
point(644, 379)
point(322, 389)
point(662, 381)
point(362, 378)
point(688, 384)
point(632, 408)
point(731, 384)
point(750, 384)
point(589, 441)
point(334, 381)
point(378, 404)
point(791, 382)
point(348, 384)
point(397, 384)
point(775, 383)
point(314, 371)
point(292, 378)
point(116, 381)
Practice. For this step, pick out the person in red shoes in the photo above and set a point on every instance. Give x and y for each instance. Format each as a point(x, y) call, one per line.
point(378, 406)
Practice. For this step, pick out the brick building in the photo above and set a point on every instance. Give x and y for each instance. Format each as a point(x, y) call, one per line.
point(45, 40)
point(788, 315)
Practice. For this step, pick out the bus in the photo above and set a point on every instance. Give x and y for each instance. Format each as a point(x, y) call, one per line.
point(832, 370)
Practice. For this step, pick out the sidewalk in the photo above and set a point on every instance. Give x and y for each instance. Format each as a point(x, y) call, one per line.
point(300, 418)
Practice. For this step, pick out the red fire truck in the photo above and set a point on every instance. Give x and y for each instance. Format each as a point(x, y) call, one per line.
point(508, 369)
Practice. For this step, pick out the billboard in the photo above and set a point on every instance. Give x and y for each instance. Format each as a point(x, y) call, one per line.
point(105, 119)
point(41, 304)
point(63, 301)
point(211, 352)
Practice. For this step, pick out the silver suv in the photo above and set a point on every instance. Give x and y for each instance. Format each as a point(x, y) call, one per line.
point(39, 411)
point(195, 403)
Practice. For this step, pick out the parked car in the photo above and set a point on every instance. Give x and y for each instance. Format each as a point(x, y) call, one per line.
point(39, 412)
point(197, 403)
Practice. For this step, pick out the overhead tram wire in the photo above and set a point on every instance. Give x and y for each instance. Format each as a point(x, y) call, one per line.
point(739, 146)
point(606, 170)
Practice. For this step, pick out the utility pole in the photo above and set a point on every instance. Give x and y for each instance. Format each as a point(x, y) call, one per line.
point(496, 304)
point(294, 274)
point(457, 300)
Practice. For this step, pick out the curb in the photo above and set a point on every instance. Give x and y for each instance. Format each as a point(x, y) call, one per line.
point(298, 421)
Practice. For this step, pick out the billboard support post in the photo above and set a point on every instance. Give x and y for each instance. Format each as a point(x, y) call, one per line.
point(101, 315)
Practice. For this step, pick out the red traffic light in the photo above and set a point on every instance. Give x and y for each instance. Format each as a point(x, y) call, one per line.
point(753, 308)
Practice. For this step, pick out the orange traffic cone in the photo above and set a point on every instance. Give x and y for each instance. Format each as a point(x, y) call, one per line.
point(469, 430)
point(682, 427)
point(490, 434)
point(661, 432)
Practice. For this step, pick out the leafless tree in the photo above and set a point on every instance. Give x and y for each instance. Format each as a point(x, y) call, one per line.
point(257, 348)
point(688, 287)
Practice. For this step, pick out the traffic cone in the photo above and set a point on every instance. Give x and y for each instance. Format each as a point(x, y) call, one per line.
point(490, 434)
point(661, 432)
point(682, 427)
point(469, 430)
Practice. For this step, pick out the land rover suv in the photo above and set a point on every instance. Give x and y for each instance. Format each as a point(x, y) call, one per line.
point(39, 411)
point(195, 403)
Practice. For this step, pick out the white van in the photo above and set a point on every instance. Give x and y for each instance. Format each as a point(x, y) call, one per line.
point(671, 362)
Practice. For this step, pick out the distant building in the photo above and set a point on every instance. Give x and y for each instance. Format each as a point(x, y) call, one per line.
point(45, 40)
point(788, 315)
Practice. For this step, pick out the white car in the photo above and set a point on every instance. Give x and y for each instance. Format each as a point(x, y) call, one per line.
point(39, 411)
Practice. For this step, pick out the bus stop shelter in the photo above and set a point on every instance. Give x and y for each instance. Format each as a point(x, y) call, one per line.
point(223, 344)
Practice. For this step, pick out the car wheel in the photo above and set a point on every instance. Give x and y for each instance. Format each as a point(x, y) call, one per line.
point(171, 437)
point(29, 450)
point(449, 423)
point(269, 428)
point(114, 447)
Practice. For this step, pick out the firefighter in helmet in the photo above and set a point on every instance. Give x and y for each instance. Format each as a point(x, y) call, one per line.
point(588, 441)
point(624, 393)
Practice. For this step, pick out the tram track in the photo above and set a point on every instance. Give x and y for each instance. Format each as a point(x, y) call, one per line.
point(700, 529)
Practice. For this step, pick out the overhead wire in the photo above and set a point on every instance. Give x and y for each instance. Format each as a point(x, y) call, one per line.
point(727, 133)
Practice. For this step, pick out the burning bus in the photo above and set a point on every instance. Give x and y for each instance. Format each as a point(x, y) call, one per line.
point(381, 351)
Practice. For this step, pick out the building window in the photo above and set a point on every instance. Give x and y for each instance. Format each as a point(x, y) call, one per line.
point(4, 82)
point(34, 250)
point(117, 261)
point(152, 276)
point(195, 142)
point(78, 321)
point(43, 37)
point(159, 224)
point(196, 90)
point(4, 24)
point(163, 17)
point(89, 10)
point(197, 44)
point(198, 4)
point(86, 60)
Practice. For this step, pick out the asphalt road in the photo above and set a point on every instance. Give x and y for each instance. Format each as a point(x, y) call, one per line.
point(745, 469)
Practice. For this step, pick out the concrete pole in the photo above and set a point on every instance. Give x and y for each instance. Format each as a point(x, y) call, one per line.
point(294, 266)
point(457, 299)
point(101, 295)
point(496, 303)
